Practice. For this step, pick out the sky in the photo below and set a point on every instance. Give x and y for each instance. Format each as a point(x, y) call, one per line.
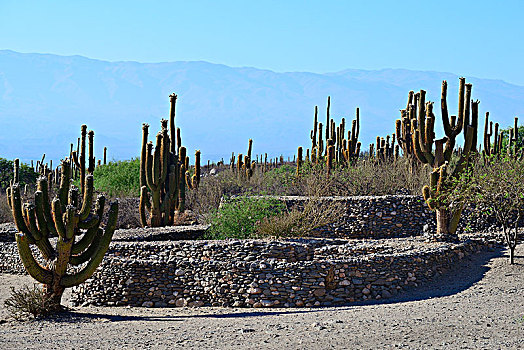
point(471, 38)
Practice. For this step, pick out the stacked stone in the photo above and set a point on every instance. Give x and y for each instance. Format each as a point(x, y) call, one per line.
point(265, 273)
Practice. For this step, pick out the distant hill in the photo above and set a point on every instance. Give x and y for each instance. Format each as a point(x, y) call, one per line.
point(45, 98)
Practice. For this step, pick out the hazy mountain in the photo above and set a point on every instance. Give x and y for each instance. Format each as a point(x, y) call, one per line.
point(45, 98)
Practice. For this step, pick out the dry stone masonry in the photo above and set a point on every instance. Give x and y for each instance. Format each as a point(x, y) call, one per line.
point(258, 273)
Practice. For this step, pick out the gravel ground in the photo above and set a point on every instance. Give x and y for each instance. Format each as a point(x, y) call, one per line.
point(479, 305)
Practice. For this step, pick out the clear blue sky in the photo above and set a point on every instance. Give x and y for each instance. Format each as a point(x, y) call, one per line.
point(473, 38)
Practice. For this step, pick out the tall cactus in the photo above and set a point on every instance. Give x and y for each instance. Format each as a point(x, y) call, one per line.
point(68, 217)
point(438, 156)
point(163, 173)
point(345, 151)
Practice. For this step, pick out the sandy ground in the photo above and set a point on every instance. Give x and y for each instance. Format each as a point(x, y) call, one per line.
point(479, 305)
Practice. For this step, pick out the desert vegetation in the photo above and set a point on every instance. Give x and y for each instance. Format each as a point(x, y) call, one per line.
point(240, 199)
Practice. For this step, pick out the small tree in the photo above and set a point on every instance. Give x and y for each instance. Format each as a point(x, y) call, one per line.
point(496, 187)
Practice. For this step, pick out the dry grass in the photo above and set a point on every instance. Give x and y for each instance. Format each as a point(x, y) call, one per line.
point(302, 221)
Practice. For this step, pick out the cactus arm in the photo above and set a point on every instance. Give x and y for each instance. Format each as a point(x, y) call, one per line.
point(144, 204)
point(31, 265)
point(143, 155)
point(70, 280)
point(85, 255)
point(487, 135)
point(88, 199)
point(39, 204)
point(63, 192)
point(418, 150)
point(41, 241)
point(465, 153)
point(172, 129)
point(164, 155)
point(58, 219)
point(18, 216)
point(85, 241)
point(149, 168)
point(42, 185)
point(474, 123)
point(92, 220)
point(421, 121)
point(8, 197)
point(444, 109)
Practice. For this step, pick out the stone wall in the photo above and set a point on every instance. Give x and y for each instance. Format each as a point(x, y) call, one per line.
point(258, 273)
point(388, 217)
point(374, 216)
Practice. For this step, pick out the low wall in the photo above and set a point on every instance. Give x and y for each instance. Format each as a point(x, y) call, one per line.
point(374, 216)
point(388, 216)
point(256, 273)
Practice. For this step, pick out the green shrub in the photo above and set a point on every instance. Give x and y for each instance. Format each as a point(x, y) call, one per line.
point(238, 217)
point(26, 174)
point(119, 179)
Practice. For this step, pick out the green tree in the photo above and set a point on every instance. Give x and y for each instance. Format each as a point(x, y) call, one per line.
point(496, 187)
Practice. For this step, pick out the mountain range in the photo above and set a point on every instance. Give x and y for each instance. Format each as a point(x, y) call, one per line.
point(45, 98)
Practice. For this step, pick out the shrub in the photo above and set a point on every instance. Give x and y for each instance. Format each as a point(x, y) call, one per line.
point(119, 179)
point(237, 217)
point(302, 222)
point(27, 302)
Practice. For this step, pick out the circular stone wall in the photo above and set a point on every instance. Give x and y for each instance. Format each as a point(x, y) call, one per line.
point(258, 273)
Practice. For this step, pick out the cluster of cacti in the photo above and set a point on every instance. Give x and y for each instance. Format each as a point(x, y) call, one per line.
point(46, 170)
point(68, 216)
point(513, 141)
point(164, 173)
point(489, 149)
point(438, 152)
point(332, 146)
point(245, 164)
point(385, 149)
point(495, 149)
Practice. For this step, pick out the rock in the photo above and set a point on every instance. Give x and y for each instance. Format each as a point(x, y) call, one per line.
point(320, 292)
point(148, 304)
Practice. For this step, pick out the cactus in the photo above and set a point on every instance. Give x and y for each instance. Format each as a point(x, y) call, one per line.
point(163, 173)
point(423, 140)
point(513, 139)
point(79, 157)
point(489, 150)
point(196, 177)
point(68, 218)
point(299, 160)
point(346, 151)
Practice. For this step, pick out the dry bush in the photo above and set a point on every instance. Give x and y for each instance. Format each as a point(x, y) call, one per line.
point(366, 178)
point(26, 303)
point(302, 221)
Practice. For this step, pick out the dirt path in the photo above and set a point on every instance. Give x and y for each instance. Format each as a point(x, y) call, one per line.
point(480, 305)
